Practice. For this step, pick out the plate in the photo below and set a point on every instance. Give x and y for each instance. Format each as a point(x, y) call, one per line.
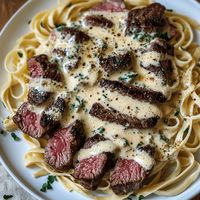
point(12, 153)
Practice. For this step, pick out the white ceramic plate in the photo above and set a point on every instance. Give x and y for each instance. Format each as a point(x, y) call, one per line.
point(12, 153)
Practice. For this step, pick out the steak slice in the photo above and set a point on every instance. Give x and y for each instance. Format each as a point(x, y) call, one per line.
point(89, 172)
point(111, 6)
point(161, 46)
point(128, 175)
point(29, 122)
point(98, 20)
point(112, 64)
point(134, 92)
point(113, 116)
point(164, 68)
point(149, 19)
point(53, 114)
point(62, 147)
point(79, 36)
point(37, 97)
point(39, 66)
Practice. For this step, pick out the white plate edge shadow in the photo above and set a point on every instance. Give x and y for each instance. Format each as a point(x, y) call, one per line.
point(5, 163)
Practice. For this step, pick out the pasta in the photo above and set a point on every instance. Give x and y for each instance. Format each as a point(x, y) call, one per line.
point(183, 128)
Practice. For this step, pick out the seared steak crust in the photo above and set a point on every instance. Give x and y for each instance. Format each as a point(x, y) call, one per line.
point(134, 92)
point(53, 114)
point(113, 116)
point(80, 36)
point(148, 19)
point(39, 66)
point(36, 97)
point(62, 147)
point(98, 20)
point(112, 64)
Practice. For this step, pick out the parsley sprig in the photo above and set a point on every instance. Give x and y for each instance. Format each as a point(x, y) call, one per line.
point(48, 185)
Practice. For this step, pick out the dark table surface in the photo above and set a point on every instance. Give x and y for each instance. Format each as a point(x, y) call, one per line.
point(7, 9)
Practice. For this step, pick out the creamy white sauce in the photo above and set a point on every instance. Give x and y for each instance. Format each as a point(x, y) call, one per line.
point(85, 86)
point(100, 147)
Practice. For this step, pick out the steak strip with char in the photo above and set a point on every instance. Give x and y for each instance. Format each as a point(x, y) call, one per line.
point(149, 19)
point(113, 116)
point(134, 92)
point(98, 20)
point(114, 63)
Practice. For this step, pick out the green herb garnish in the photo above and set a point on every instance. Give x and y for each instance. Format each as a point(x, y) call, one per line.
point(140, 197)
point(79, 103)
point(48, 185)
point(7, 196)
point(177, 113)
point(128, 77)
point(80, 77)
point(164, 138)
point(20, 54)
point(15, 137)
point(100, 130)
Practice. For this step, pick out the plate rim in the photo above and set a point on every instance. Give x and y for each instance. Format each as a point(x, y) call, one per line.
point(3, 161)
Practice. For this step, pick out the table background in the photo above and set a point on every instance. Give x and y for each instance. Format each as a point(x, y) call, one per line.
point(7, 184)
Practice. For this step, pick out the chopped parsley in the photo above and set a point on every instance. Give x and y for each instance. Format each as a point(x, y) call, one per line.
point(164, 138)
point(128, 77)
point(15, 137)
point(100, 130)
point(48, 185)
point(7, 196)
point(131, 197)
point(20, 54)
point(140, 197)
point(186, 131)
point(79, 103)
point(177, 113)
point(80, 77)
point(60, 27)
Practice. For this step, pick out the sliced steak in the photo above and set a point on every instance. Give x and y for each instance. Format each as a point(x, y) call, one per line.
point(53, 114)
point(161, 46)
point(89, 172)
point(98, 20)
point(111, 6)
point(37, 97)
point(164, 69)
point(29, 122)
point(113, 116)
point(62, 147)
point(78, 35)
point(39, 66)
point(128, 176)
point(114, 63)
point(149, 19)
point(134, 92)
